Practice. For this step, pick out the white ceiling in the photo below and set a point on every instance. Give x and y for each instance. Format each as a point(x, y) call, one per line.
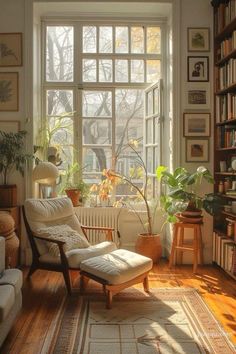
point(127, 9)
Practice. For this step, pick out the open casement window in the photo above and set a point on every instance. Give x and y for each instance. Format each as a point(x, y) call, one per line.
point(94, 81)
point(153, 133)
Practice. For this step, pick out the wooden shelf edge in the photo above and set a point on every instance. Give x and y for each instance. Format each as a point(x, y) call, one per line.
point(226, 122)
point(230, 55)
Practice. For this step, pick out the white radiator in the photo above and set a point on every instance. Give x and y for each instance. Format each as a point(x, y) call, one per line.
point(100, 216)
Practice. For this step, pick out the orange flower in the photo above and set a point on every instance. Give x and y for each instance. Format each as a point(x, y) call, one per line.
point(111, 176)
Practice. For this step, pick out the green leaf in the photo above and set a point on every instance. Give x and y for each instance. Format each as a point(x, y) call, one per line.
point(159, 171)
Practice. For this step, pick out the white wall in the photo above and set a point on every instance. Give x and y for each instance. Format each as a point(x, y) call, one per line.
point(16, 16)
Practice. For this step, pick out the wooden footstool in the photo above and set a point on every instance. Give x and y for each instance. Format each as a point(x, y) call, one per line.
point(116, 271)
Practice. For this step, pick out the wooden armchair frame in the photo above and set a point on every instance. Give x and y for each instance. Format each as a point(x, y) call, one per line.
point(63, 266)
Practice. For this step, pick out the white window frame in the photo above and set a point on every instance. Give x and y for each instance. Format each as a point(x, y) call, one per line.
point(77, 85)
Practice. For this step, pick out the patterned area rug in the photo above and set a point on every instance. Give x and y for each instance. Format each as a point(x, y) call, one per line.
point(168, 321)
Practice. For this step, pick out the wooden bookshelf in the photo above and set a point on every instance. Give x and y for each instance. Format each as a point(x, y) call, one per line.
point(225, 126)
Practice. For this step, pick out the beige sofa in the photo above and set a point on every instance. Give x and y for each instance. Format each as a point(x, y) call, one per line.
point(10, 294)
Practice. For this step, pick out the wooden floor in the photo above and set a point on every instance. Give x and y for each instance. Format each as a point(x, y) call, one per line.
point(43, 295)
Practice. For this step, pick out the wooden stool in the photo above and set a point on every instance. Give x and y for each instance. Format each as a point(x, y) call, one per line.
point(179, 245)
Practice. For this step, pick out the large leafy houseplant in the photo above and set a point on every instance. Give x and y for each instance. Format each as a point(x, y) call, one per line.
point(183, 191)
point(12, 154)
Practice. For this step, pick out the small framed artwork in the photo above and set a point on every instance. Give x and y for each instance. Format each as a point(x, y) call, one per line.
point(197, 95)
point(198, 39)
point(198, 69)
point(197, 150)
point(10, 49)
point(9, 126)
point(9, 91)
point(196, 124)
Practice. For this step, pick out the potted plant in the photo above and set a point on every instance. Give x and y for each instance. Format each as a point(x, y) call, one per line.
point(74, 186)
point(148, 243)
point(183, 198)
point(12, 158)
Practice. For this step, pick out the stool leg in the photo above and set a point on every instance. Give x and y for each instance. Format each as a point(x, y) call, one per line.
point(200, 245)
point(109, 299)
point(195, 249)
point(173, 249)
point(181, 239)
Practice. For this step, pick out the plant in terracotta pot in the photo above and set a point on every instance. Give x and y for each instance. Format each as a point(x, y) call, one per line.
point(183, 198)
point(12, 158)
point(148, 243)
point(74, 187)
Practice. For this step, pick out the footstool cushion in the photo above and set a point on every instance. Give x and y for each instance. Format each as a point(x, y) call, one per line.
point(116, 271)
point(117, 267)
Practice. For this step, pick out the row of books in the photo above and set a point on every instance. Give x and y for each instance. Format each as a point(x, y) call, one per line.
point(224, 252)
point(227, 74)
point(226, 136)
point(225, 107)
point(226, 47)
point(225, 13)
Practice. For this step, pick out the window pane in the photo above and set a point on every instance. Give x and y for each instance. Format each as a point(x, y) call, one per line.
point(149, 158)
point(153, 40)
point(89, 70)
point(96, 159)
point(97, 131)
point(105, 70)
point(137, 71)
point(137, 40)
point(60, 53)
point(59, 101)
point(153, 70)
point(105, 39)
point(97, 104)
point(156, 131)
point(89, 39)
point(156, 101)
point(149, 131)
point(129, 124)
point(121, 70)
point(122, 45)
point(149, 103)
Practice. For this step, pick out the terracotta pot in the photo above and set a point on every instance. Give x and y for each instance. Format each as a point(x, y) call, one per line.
point(74, 195)
point(8, 195)
point(149, 246)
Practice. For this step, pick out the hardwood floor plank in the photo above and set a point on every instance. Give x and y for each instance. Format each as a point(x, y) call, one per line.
point(44, 294)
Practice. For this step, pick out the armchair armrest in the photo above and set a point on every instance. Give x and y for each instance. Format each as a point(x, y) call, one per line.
point(107, 230)
point(60, 244)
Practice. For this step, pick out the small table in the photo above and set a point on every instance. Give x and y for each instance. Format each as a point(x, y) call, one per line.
point(116, 271)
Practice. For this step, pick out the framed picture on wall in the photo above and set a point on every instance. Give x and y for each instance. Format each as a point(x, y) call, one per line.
point(199, 39)
point(10, 49)
point(197, 150)
point(9, 91)
point(196, 124)
point(9, 126)
point(197, 95)
point(198, 69)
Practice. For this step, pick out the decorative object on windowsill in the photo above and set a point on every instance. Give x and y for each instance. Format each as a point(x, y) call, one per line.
point(7, 228)
point(182, 199)
point(73, 185)
point(148, 243)
point(45, 174)
point(12, 158)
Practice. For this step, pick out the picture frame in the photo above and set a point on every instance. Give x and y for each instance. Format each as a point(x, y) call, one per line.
point(10, 126)
point(198, 69)
point(9, 100)
point(198, 39)
point(196, 124)
point(11, 49)
point(197, 95)
point(197, 150)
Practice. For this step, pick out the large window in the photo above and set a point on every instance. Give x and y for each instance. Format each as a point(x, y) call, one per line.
point(94, 80)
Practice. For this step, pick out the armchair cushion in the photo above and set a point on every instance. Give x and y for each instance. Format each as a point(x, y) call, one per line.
point(62, 233)
point(76, 256)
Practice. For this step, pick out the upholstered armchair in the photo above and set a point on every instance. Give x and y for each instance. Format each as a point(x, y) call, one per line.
point(52, 226)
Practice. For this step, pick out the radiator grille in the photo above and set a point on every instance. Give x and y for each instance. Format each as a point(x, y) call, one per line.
point(99, 217)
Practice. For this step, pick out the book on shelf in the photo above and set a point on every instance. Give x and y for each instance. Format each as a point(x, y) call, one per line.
point(230, 192)
point(223, 251)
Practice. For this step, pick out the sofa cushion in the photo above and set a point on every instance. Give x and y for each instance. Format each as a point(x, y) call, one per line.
point(118, 266)
point(7, 299)
point(62, 233)
point(76, 256)
point(12, 277)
